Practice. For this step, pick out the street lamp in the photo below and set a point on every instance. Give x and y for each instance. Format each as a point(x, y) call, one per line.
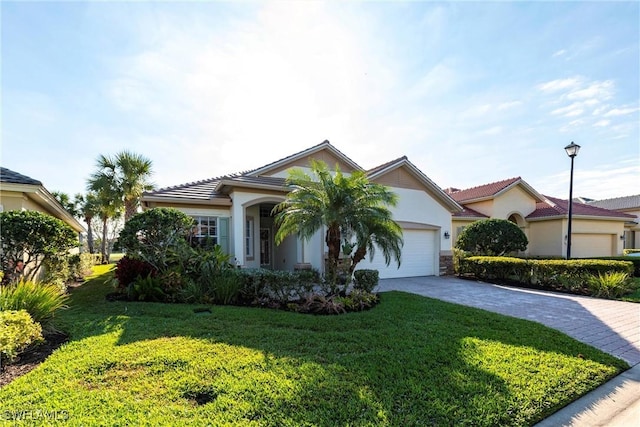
point(572, 151)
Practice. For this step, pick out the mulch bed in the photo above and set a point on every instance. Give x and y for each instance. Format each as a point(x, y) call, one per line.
point(31, 358)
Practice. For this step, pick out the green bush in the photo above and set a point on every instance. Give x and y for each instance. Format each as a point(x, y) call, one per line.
point(359, 300)
point(571, 275)
point(147, 288)
point(80, 265)
point(279, 286)
point(630, 251)
point(633, 259)
point(492, 237)
point(41, 301)
point(226, 287)
point(366, 280)
point(610, 285)
point(17, 331)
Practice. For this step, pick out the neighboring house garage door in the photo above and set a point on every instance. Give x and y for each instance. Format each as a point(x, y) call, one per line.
point(591, 245)
point(418, 257)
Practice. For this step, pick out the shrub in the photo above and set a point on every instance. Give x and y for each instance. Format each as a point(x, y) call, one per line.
point(41, 301)
point(279, 286)
point(129, 269)
point(28, 239)
point(147, 288)
point(610, 285)
point(632, 259)
point(80, 265)
point(152, 234)
point(630, 251)
point(492, 237)
point(366, 280)
point(17, 331)
point(319, 304)
point(359, 300)
point(226, 287)
point(568, 275)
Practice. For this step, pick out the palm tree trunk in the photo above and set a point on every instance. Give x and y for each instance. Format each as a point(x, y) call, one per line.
point(333, 244)
point(105, 259)
point(361, 252)
point(88, 219)
point(130, 209)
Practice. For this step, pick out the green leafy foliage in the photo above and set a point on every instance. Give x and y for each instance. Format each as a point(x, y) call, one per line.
point(28, 239)
point(561, 275)
point(613, 284)
point(492, 237)
point(632, 259)
point(147, 288)
point(40, 300)
point(17, 331)
point(153, 234)
point(630, 251)
point(128, 269)
point(366, 280)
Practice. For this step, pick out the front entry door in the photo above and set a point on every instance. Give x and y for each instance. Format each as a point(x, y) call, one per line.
point(265, 248)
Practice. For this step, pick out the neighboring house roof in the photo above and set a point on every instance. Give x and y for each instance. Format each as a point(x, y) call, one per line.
point(9, 176)
point(14, 181)
point(553, 207)
point(193, 192)
point(489, 191)
point(469, 213)
point(618, 203)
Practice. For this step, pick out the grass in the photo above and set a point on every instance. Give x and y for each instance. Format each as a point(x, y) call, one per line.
point(409, 361)
point(635, 295)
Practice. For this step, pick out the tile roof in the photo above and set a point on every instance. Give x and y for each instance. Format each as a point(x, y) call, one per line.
point(9, 176)
point(482, 191)
point(200, 190)
point(557, 207)
point(618, 203)
point(377, 169)
point(469, 213)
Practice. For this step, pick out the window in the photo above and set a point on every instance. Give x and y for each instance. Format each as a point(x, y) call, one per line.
point(248, 236)
point(205, 232)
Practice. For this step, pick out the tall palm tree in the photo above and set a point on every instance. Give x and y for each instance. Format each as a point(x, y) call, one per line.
point(133, 174)
point(104, 184)
point(347, 206)
point(70, 205)
point(87, 210)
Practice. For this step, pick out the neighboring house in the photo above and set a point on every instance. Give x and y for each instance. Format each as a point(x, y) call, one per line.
point(235, 212)
point(543, 219)
point(20, 192)
point(629, 205)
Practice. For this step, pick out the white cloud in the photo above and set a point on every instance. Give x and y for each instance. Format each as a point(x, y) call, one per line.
point(598, 90)
point(572, 110)
point(602, 123)
point(560, 84)
point(509, 105)
point(558, 53)
point(620, 111)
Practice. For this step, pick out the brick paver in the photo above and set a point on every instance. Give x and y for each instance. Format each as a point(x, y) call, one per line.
point(611, 326)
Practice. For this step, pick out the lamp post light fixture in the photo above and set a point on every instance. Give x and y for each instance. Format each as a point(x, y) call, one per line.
point(572, 151)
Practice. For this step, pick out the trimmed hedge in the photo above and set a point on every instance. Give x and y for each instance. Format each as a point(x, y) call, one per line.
point(366, 280)
point(18, 330)
point(559, 275)
point(633, 259)
point(630, 251)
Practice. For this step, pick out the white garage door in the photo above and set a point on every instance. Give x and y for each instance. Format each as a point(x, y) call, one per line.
point(591, 245)
point(418, 257)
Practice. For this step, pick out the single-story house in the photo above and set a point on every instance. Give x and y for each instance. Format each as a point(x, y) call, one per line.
point(20, 192)
point(235, 212)
point(544, 220)
point(631, 206)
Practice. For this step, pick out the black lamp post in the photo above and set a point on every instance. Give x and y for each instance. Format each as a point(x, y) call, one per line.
point(572, 151)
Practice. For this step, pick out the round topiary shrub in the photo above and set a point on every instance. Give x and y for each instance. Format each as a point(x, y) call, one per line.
point(492, 237)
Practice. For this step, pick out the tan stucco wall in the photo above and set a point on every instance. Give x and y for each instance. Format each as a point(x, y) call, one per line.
point(12, 201)
point(515, 200)
point(485, 207)
point(455, 228)
point(597, 246)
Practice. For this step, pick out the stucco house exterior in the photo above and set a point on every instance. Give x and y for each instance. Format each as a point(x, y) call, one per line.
point(631, 206)
point(544, 220)
point(20, 192)
point(235, 212)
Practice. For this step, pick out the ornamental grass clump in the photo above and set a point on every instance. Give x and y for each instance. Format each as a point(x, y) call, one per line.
point(610, 285)
point(40, 300)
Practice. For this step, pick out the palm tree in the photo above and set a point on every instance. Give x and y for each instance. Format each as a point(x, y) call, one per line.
point(104, 184)
point(347, 206)
point(87, 210)
point(67, 203)
point(133, 174)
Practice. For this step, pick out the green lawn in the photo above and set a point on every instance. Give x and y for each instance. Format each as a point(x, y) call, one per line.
point(635, 295)
point(409, 361)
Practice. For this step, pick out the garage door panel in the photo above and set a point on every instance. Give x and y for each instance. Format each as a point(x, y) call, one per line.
point(591, 245)
point(418, 257)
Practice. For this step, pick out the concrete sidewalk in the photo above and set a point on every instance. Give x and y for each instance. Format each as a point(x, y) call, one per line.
point(611, 326)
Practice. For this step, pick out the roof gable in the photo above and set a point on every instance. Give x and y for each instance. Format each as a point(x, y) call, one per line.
point(401, 173)
point(493, 190)
point(323, 152)
point(618, 203)
point(11, 177)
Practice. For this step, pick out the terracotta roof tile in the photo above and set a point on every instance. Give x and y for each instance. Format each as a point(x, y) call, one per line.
point(469, 213)
point(11, 177)
point(558, 207)
point(482, 191)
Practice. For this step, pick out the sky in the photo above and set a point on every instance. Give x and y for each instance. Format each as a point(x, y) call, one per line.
point(470, 92)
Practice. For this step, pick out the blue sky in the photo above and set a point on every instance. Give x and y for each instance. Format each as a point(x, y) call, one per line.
point(471, 92)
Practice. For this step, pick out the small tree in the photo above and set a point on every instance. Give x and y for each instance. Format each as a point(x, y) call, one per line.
point(492, 237)
point(28, 239)
point(151, 235)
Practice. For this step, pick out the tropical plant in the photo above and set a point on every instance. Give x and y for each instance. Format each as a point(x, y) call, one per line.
point(612, 284)
point(69, 204)
point(40, 300)
point(87, 208)
point(153, 235)
point(492, 237)
point(366, 280)
point(348, 206)
point(134, 172)
point(28, 239)
point(108, 196)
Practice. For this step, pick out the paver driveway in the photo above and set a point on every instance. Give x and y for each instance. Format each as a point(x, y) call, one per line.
point(611, 326)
